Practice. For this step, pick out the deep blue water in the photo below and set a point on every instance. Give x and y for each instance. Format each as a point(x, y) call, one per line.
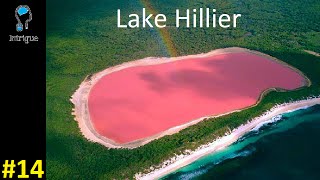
point(286, 149)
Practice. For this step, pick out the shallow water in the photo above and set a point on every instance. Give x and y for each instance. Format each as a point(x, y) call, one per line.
point(283, 149)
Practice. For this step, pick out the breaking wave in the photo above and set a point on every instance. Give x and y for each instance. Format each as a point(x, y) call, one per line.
point(204, 168)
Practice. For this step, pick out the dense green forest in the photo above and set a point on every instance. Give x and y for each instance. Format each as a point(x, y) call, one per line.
point(83, 38)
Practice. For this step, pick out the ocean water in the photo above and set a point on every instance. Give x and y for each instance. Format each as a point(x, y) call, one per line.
point(288, 147)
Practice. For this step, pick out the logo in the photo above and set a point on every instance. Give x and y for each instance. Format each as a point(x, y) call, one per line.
point(22, 10)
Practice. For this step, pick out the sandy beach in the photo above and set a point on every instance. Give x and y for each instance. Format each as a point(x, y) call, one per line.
point(312, 52)
point(81, 96)
point(182, 160)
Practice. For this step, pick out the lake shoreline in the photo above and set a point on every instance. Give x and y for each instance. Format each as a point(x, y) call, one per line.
point(81, 108)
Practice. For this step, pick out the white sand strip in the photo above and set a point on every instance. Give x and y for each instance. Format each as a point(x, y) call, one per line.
point(312, 52)
point(219, 144)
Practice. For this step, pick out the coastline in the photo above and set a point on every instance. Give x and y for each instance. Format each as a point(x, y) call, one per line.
point(182, 160)
point(312, 53)
point(80, 97)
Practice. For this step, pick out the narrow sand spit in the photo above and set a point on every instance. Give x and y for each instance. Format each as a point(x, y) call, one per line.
point(182, 160)
point(312, 52)
point(80, 97)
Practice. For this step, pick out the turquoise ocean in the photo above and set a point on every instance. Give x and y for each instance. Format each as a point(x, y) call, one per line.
point(285, 148)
